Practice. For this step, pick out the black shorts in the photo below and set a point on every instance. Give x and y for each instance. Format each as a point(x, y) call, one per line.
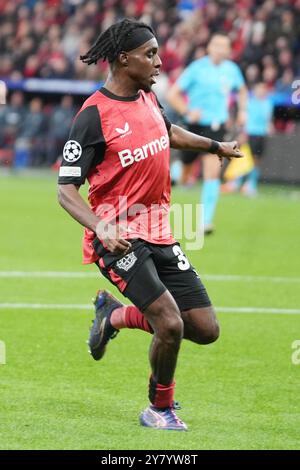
point(257, 145)
point(148, 270)
point(205, 131)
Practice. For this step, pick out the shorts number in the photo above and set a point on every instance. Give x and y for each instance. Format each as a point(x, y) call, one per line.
point(183, 264)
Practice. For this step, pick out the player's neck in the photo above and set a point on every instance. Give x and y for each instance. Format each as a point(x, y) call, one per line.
point(124, 88)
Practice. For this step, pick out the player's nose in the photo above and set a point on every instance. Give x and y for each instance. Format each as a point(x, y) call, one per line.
point(158, 62)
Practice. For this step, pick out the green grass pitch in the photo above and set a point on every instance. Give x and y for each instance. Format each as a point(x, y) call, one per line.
point(240, 393)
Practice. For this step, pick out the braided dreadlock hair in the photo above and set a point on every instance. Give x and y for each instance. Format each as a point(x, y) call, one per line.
point(109, 43)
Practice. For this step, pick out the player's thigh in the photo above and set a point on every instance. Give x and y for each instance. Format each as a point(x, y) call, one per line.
point(201, 325)
point(134, 274)
point(180, 278)
point(150, 295)
point(184, 283)
point(145, 287)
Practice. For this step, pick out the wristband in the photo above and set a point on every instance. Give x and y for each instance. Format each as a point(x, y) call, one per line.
point(214, 146)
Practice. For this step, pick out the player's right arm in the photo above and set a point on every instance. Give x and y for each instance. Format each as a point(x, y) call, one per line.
point(83, 151)
point(182, 139)
point(70, 199)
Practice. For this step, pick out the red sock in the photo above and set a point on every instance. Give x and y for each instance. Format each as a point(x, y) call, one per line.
point(129, 317)
point(161, 396)
point(135, 319)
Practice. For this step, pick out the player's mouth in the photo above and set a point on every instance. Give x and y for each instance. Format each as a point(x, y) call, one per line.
point(154, 76)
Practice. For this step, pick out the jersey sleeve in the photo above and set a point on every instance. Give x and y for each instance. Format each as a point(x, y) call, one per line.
point(163, 113)
point(84, 149)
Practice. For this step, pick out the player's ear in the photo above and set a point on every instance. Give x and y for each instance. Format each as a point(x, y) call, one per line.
point(123, 58)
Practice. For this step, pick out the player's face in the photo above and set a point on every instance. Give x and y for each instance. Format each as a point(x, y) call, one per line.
point(219, 48)
point(144, 64)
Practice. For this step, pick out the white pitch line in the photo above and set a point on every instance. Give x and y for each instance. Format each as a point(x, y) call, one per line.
point(267, 310)
point(234, 278)
point(95, 275)
point(47, 274)
point(39, 306)
point(9, 305)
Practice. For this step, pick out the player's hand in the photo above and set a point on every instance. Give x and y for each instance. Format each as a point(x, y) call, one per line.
point(229, 150)
point(112, 239)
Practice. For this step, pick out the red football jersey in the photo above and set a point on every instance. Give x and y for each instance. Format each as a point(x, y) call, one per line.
point(121, 146)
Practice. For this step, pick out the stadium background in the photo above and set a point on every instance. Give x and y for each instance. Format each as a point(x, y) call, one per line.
point(238, 393)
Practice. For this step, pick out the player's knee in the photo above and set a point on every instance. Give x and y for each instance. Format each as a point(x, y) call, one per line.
point(210, 334)
point(173, 330)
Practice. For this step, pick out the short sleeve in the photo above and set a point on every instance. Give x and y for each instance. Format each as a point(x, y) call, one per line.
point(163, 113)
point(84, 149)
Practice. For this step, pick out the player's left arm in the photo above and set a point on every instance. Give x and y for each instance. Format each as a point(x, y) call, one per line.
point(184, 140)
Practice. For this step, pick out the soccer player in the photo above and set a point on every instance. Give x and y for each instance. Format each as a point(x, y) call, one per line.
point(201, 96)
point(120, 142)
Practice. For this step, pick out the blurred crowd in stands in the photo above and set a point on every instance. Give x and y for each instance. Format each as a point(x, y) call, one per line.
point(44, 38)
point(33, 134)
